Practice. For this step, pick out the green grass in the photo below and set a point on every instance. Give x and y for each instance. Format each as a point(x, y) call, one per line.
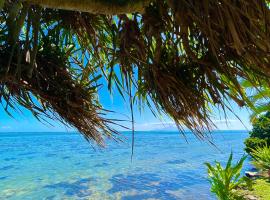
point(261, 188)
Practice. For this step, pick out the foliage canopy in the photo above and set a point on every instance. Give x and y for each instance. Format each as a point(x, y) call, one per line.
point(181, 54)
point(260, 134)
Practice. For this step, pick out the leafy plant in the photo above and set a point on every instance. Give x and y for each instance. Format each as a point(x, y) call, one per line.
point(261, 158)
point(261, 127)
point(253, 142)
point(260, 134)
point(225, 180)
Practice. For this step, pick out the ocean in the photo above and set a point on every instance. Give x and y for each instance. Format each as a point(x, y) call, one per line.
point(52, 166)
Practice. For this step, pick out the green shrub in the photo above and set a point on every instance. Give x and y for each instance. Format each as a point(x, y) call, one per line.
point(260, 133)
point(261, 158)
point(252, 143)
point(225, 180)
point(261, 127)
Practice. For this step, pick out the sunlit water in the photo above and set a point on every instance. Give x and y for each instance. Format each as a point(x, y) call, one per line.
point(64, 166)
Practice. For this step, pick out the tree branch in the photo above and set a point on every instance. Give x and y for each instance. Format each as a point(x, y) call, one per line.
point(107, 7)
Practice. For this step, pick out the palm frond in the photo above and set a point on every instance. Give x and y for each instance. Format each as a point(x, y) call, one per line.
point(178, 57)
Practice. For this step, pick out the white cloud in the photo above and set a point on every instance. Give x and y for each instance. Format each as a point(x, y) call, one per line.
point(155, 126)
point(221, 124)
point(5, 127)
point(231, 124)
point(224, 121)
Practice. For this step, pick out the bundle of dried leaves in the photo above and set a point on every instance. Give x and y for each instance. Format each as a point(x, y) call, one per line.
point(183, 55)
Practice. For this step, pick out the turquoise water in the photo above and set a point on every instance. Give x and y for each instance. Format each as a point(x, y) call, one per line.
point(64, 166)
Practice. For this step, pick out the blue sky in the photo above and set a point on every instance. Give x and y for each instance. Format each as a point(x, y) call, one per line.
point(24, 122)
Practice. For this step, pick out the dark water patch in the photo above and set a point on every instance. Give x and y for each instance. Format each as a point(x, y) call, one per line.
point(86, 152)
point(3, 177)
point(139, 169)
point(167, 185)
point(50, 197)
point(7, 167)
point(26, 153)
point(50, 155)
point(66, 157)
point(9, 159)
point(189, 179)
point(176, 161)
point(104, 164)
point(78, 188)
point(151, 183)
point(139, 196)
point(137, 181)
point(158, 195)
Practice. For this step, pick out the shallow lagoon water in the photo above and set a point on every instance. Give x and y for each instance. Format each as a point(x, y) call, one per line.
point(56, 166)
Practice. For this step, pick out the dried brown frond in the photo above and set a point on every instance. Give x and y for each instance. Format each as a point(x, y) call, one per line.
point(183, 55)
point(60, 96)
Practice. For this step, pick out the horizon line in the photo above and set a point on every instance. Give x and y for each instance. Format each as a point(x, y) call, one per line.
point(118, 131)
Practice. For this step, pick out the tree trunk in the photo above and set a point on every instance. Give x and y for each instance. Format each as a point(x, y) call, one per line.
point(108, 7)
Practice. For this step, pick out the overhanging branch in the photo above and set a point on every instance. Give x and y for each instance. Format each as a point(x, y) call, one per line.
point(108, 7)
